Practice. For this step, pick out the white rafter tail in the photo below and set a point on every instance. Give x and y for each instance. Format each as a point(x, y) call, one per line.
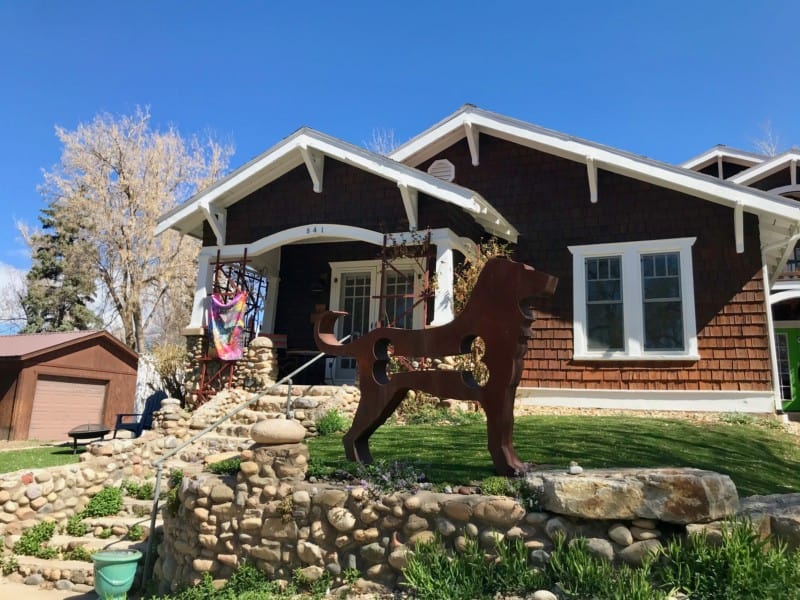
point(473, 135)
point(591, 171)
point(315, 163)
point(216, 219)
point(738, 227)
point(410, 203)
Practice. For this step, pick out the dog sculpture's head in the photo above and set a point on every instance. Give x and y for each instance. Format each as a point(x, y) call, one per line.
point(503, 278)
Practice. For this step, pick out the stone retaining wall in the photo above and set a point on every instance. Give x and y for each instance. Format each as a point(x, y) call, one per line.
point(55, 494)
point(267, 514)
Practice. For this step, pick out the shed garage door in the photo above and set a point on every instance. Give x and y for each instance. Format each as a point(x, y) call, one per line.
point(60, 404)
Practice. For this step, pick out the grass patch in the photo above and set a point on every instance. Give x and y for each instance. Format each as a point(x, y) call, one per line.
point(37, 458)
point(760, 460)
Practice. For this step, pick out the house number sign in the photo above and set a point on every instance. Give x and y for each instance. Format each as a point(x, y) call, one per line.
point(315, 229)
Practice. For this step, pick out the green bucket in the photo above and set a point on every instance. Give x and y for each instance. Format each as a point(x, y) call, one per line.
point(114, 571)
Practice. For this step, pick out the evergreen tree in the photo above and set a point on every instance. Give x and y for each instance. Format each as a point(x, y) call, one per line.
point(60, 282)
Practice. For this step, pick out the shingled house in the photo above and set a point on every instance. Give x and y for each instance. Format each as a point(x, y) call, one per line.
point(666, 272)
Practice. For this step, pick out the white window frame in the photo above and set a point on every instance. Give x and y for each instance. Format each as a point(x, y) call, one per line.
point(633, 314)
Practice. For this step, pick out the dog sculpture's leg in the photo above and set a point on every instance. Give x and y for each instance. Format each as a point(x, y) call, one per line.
point(378, 402)
point(500, 434)
point(356, 440)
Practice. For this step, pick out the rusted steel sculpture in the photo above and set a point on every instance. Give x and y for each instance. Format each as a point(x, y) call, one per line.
point(498, 311)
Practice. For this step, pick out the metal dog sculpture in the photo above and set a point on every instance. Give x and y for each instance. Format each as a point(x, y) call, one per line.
point(498, 311)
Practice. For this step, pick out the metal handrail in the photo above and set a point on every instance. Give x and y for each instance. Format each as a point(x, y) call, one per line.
point(159, 464)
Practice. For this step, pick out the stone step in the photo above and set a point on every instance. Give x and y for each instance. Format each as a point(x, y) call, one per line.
point(35, 571)
point(90, 543)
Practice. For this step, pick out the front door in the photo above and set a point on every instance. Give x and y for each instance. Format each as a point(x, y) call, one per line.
point(356, 297)
point(354, 290)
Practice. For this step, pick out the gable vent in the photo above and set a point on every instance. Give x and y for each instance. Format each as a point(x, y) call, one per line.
point(443, 169)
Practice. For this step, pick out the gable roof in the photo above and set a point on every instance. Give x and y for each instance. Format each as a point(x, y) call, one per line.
point(727, 153)
point(779, 218)
point(310, 147)
point(767, 167)
point(31, 345)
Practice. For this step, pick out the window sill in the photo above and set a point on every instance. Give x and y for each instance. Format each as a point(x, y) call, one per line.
point(614, 357)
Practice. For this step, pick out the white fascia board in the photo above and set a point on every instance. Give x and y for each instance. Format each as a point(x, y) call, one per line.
point(607, 158)
point(733, 155)
point(661, 174)
point(289, 154)
point(432, 140)
point(185, 216)
point(766, 168)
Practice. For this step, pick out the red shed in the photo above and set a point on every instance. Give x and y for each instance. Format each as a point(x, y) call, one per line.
point(51, 382)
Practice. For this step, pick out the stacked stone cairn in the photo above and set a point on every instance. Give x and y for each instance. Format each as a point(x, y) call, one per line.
point(258, 368)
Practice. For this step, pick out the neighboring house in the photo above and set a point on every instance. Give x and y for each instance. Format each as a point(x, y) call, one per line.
point(52, 382)
point(665, 272)
point(777, 175)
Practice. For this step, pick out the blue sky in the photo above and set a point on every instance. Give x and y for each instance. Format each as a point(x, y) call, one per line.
point(663, 79)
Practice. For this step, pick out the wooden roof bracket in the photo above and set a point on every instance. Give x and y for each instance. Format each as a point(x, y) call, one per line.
point(793, 171)
point(787, 252)
point(471, 131)
point(591, 171)
point(738, 226)
point(410, 203)
point(217, 219)
point(315, 163)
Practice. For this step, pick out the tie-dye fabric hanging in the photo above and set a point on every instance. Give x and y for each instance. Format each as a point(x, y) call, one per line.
point(227, 322)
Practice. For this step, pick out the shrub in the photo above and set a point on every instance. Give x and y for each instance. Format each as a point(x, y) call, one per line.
point(9, 564)
point(135, 533)
point(75, 526)
point(742, 566)
point(173, 502)
point(140, 491)
point(105, 533)
point(33, 540)
point(229, 466)
point(79, 553)
point(498, 486)
point(332, 422)
point(105, 503)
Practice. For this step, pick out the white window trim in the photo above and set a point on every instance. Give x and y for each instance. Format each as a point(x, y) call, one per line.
point(633, 318)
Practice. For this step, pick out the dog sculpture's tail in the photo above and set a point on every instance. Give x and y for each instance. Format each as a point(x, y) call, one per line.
point(325, 336)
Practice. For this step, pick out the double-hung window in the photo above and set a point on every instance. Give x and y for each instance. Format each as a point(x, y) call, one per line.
point(634, 301)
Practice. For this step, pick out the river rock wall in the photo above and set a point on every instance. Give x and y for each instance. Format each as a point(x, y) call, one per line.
point(269, 515)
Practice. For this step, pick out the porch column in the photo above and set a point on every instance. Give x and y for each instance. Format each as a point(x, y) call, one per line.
point(272, 267)
point(201, 292)
point(270, 303)
point(443, 298)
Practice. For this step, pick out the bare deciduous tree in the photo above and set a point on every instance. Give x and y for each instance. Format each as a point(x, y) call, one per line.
point(115, 178)
point(770, 142)
point(382, 141)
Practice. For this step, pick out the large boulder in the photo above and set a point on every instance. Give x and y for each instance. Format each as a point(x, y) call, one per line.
point(673, 495)
point(782, 511)
point(277, 431)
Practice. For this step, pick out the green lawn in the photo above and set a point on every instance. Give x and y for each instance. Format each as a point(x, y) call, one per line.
point(36, 458)
point(759, 459)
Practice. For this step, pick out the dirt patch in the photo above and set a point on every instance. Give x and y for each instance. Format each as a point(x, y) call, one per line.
point(6, 445)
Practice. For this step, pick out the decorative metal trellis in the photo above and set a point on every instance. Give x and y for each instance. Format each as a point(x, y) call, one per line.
point(230, 278)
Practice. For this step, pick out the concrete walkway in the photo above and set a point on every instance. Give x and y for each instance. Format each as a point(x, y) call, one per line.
point(19, 591)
